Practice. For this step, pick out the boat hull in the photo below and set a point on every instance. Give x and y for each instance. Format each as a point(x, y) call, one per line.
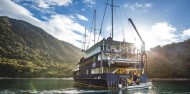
point(140, 86)
point(107, 80)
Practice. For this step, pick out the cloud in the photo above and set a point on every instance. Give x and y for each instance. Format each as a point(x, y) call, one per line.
point(51, 3)
point(9, 8)
point(42, 10)
point(137, 6)
point(185, 34)
point(143, 6)
point(81, 17)
point(63, 28)
point(47, 3)
point(161, 34)
point(89, 3)
point(42, 4)
point(60, 26)
point(164, 31)
point(59, 2)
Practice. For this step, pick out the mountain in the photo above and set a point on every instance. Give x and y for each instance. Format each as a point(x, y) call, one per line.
point(170, 61)
point(28, 51)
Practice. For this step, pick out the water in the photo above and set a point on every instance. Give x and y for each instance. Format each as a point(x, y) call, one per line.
point(62, 86)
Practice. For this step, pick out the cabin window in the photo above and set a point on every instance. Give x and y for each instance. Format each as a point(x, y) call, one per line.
point(87, 72)
point(109, 48)
point(117, 48)
point(103, 48)
point(95, 71)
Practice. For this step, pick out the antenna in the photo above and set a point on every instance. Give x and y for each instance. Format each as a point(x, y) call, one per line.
point(94, 26)
point(112, 5)
point(112, 17)
point(85, 39)
point(123, 36)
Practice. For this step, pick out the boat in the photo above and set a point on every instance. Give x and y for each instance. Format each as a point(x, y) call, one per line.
point(112, 64)
point(140, 86)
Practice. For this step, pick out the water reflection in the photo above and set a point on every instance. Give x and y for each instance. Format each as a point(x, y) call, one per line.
point(107, 91)
point(61, 86)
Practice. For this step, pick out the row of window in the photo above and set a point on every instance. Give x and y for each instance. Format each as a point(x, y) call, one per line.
point(105, 70)
point(130, 50)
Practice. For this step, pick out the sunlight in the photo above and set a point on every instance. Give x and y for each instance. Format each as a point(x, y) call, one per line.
point(138, 44)
point(138, 93)
point(147, 36)
point(148, 39)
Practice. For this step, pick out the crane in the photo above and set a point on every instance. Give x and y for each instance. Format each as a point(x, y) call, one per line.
point(143, 43)
point(143, 53)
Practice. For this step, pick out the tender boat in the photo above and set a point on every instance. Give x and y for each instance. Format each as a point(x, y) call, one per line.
point(135, 86)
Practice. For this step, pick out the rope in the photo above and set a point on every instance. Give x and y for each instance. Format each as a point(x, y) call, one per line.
point(102, 21)
point(90, 33)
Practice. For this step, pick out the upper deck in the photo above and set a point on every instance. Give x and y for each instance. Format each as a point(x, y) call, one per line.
point(111, 47)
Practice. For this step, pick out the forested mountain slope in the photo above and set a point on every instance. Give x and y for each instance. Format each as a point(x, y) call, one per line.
point(28, 51)
point(170, 61)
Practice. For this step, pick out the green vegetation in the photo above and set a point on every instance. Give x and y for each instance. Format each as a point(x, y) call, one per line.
point(28, 51)
point(170, 61)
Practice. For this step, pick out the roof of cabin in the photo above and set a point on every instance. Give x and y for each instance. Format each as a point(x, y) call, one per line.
point(107, 41)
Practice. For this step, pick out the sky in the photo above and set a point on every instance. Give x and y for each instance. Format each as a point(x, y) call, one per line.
point(159, 22)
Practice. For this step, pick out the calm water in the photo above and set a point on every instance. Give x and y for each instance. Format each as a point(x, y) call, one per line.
point(61, 86)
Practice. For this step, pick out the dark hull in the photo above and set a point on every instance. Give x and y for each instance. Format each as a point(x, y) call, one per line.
point(106, 80)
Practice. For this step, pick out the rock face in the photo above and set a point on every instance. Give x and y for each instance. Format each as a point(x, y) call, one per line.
point(28, 51)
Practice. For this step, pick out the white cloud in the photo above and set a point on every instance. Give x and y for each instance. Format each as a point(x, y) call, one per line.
point(42, 10)
point(16, 1)
point(42, 4)
point(141, 5)
point(164, 31)
point(186, 32)
point(90, 3)
point(136, 6)
point(47, 3)
point(60, 26)
point(161, 34)
point(81, 17)
point(9, 8)
point(60, 2)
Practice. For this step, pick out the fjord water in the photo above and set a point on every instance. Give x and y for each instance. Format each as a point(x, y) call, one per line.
point(62, 86)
